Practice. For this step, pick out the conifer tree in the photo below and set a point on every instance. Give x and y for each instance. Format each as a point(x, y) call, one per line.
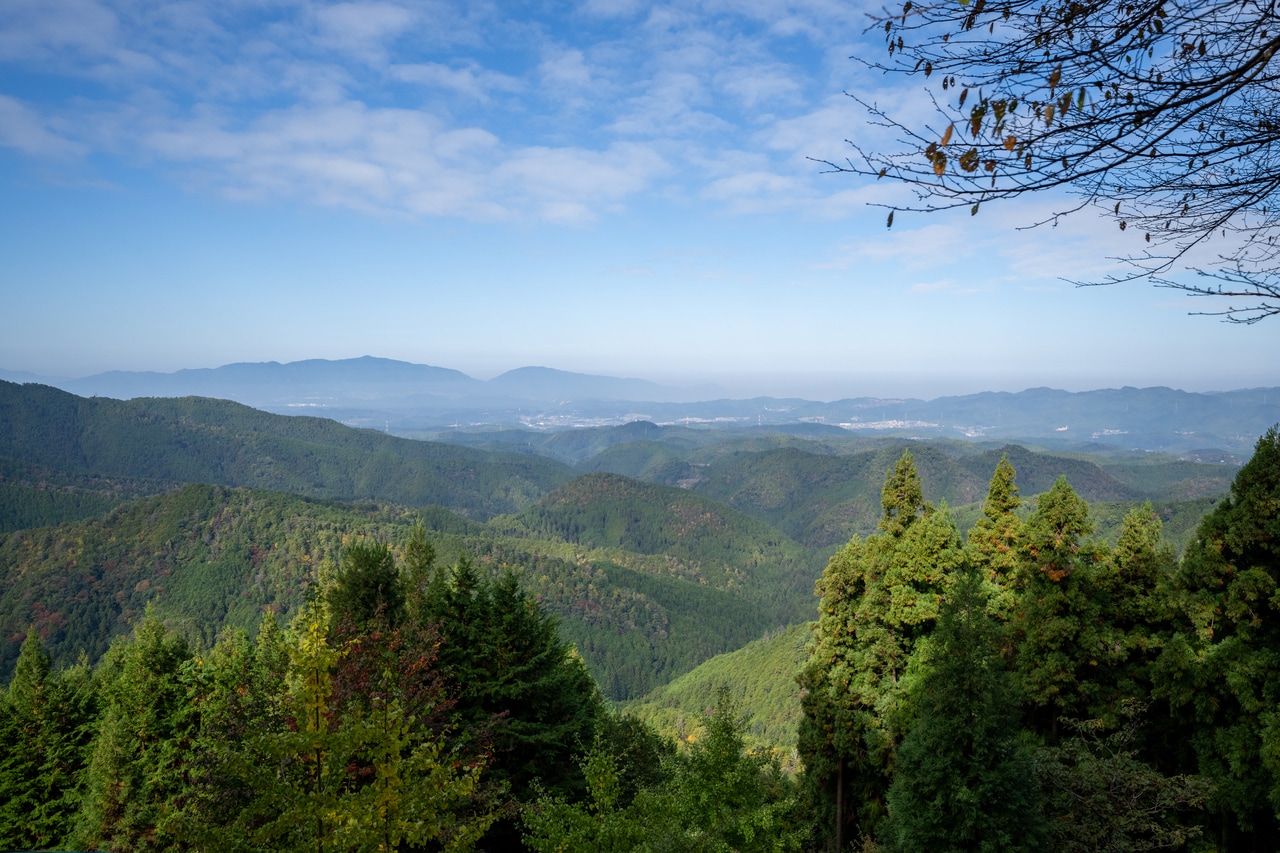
point(879, 602)
point(368, 587)
point(137, 769)
point(1221, 671)
point(1060, 625)
point(1131, 584)
point(961, 781)
point(237, 692)
point(46, 724)
point(520, 693)
point(993, 541)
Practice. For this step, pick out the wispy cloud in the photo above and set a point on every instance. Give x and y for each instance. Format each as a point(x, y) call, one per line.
point(25, 130)
point(470, 79)
point(441, 107)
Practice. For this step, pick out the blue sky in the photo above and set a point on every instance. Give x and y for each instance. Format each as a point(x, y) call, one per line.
point(605, 187)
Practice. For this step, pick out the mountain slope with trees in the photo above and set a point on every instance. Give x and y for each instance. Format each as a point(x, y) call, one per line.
point(198, 440)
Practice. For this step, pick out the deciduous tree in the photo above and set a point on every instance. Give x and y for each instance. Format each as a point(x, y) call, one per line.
point(1161, 114)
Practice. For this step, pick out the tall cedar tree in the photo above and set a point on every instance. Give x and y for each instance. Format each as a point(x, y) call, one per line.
point(879, 602)
point(1060, 625)
point(1222, 670)
point(993, 541)
point(962, 781)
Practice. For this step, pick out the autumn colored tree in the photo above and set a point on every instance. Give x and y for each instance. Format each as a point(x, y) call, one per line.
point(1158, 114)
point(364, 777)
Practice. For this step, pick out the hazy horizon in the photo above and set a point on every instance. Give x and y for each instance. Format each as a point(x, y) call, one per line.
point(818, 387)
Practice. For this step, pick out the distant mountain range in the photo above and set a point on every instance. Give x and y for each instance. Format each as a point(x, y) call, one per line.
point(354, 382)
point(423, 401)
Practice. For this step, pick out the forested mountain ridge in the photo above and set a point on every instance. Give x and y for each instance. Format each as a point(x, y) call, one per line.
point(424, 401)
point(215, 441)
point(208, 557)
point(822, 499)
point(761, 676)
point(702, 540)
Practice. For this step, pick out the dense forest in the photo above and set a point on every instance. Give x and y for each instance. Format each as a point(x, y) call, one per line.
point(587, 660)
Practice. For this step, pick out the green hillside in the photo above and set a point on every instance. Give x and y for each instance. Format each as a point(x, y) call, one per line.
point(198, 440)
point(822, 499)
point(209, 556)
point(761, 675)
point(690, 537)
point(655, 462)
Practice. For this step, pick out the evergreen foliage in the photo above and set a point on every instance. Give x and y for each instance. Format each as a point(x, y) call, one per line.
point(716, 797)
point(46, 725)
point(135, 775)
point(368, 586)
point(438, 694)
point(962, 781)
point(1221, 670)
point(880, 600)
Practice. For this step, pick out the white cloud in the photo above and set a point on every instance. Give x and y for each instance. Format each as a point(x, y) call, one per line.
point(565, 71)
point(470, 80)
point(27, 131)
point(405, 162)
point(293, 99)
point(569, 180)
point(669, 108)
point(45, 29)
point(757, 85)
point(362, 29)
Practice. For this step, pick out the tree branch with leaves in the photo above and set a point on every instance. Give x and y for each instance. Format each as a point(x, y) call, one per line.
point(1162, 114)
